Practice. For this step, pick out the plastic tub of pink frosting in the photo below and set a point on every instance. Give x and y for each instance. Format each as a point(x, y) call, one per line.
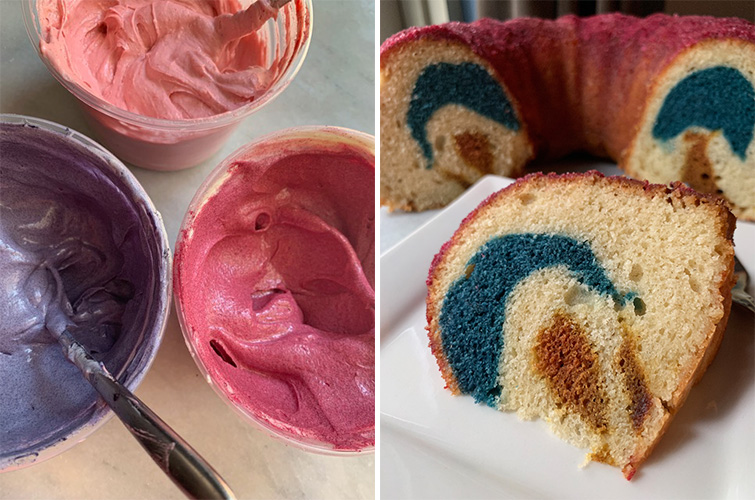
point(163, 83)
point(78, 235)
point(274, 286)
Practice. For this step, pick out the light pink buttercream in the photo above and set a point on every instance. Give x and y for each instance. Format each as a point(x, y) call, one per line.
point(170, 59)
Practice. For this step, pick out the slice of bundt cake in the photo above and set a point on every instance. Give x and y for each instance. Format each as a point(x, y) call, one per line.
point(591, 302)
point(668, 98)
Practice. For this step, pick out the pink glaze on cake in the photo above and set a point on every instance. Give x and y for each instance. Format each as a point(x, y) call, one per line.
point(553, 69)
point(275, 278)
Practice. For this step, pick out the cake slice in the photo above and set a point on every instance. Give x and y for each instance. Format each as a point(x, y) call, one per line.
point(591, 302)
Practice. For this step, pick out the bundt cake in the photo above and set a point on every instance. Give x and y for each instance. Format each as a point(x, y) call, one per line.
point(591, 302)
point(668, 98)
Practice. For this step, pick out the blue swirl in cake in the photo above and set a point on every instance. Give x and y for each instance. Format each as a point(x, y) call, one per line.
point(584, 301)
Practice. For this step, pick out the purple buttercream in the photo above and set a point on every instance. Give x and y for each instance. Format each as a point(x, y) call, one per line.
point(73, 240)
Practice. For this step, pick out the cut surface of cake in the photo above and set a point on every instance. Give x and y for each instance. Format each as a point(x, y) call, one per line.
point(668, 98)
point(591, 302)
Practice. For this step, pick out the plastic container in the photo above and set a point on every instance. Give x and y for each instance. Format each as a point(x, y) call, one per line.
point(176, 144)
point(291, 142)
point(134, 360)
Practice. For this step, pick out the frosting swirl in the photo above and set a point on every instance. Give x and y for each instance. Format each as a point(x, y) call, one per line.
point(169, 59)
point(275, 276)
point(77, 252)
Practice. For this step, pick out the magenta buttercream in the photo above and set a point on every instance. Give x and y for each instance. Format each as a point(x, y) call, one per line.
point(275, 278)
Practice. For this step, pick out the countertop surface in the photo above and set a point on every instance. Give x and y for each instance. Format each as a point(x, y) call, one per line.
point(334, 87)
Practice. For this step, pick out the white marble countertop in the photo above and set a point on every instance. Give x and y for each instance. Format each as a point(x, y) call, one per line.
point(334, 87)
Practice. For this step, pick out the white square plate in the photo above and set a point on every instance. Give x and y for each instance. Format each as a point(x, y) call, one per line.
point(435, 445)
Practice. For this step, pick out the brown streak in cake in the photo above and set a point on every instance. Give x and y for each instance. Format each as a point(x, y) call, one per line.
point(603, 455)
point(564, 356)
point(634, 381)
point(474, 149)
point(452, 176)
point(698, 171)
point(469, 270)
